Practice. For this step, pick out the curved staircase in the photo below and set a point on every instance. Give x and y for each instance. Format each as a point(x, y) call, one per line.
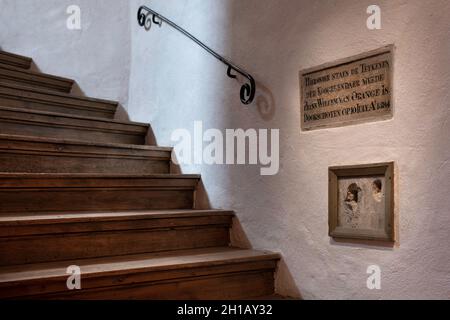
point(78, 188)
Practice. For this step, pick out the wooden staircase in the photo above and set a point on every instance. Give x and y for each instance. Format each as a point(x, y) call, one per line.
point(80, 188)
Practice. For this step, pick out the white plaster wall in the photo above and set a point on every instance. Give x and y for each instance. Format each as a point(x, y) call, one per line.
point(170, 82)
point(97, 56)
point(173, 83)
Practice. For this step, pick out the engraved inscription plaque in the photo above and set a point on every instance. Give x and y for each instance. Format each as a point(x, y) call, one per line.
point(352, 90)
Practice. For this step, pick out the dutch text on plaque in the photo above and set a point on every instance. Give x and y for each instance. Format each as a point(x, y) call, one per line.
point(353, 90)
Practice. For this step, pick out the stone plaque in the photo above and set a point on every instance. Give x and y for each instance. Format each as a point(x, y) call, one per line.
point(353, 90)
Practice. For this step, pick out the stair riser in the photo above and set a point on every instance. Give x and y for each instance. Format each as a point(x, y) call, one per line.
point(15, 60)
point(58, 108)
point(95, 222)
point(235, 287)
point(14, 76)
point(66, 131)
point(41, 163)
point(45, 156)
point(23, 250)
point(34, 84)
point(19, 98)
point(94, 199)
point(244, 280)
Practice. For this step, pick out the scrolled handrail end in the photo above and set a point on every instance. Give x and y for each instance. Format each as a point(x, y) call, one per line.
point(145, 17)
point(248, 91)
point(141, 16)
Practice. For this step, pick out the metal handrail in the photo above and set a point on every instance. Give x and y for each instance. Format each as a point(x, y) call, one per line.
point(147, 16)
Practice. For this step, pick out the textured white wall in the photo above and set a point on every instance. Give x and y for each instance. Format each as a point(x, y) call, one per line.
point(173, 83)
point(97, 57)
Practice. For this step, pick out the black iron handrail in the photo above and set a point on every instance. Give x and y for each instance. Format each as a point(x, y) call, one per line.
point(147, 16)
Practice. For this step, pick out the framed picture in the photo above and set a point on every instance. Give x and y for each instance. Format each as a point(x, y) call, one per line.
point(361, 202)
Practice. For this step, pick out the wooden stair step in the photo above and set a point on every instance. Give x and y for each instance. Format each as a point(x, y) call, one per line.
point(15, 60)
point(78, 188)
point(212, 273)
point(47, 155)
point(18, 96)
point(19, 76)
point(16, 121)
point(34, 238)
point(95, 192)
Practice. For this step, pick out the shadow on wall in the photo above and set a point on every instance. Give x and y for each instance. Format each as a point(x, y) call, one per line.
point(367, 244)
point(177, 74)
point(121, 113)
point(150, 139)
point(202, 201)
point(265, 102)
point(243, 52)
point(201, 197)
point(284, 281)
point(238, 237)
point(264, 99)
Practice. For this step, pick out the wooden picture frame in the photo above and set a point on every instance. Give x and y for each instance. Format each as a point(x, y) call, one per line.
point(358, 209)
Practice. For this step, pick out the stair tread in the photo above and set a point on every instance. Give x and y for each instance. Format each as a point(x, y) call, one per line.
point(13, 180)
point(82, 182)
point(36, 74)
point(52, 218)
point(117, 265)
point(83, 143)
point(96, 175)
point(71, 116)
point(59, 94)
